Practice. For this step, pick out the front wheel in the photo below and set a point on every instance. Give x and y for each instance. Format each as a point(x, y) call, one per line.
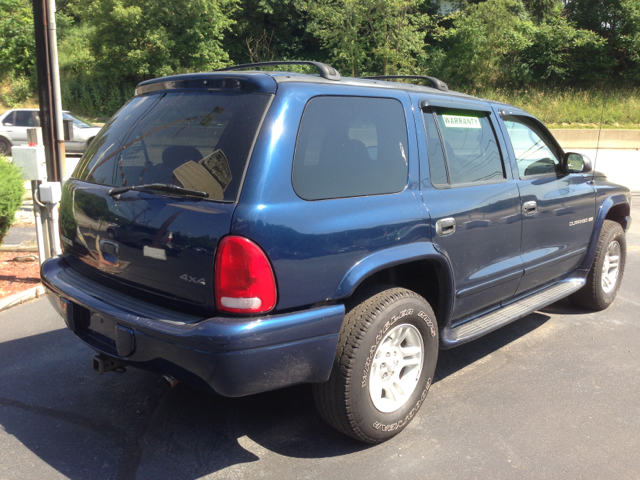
point(5, 147)
point(605, 276)
point(384, 365)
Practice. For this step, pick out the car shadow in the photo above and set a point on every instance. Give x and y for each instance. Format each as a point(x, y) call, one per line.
point(136, 426)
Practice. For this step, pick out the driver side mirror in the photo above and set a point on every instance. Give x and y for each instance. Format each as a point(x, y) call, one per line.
point(577, 163)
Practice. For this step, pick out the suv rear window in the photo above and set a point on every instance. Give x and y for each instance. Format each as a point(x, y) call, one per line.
point(349, 147)
point(198, 140)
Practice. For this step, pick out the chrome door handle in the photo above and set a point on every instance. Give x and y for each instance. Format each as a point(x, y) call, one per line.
point(530, 208)
point(446, 226)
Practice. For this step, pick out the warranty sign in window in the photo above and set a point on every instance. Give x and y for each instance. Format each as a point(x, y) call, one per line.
point(455, 121)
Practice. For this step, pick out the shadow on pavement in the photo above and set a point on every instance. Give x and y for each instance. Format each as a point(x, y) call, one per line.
point(134, 425)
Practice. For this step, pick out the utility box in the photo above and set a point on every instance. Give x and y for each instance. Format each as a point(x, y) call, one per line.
point(50, 192)
point(31, 161)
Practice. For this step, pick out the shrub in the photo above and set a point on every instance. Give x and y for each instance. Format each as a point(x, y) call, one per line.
point(11, 191)
point(19, 90)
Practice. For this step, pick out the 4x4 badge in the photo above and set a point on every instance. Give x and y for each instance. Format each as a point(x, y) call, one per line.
point(189, 278)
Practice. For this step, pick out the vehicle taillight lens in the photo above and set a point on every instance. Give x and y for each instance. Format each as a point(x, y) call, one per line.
point(244, 279)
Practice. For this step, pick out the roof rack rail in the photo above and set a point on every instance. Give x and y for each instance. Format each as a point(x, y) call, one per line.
point(325, 71)
point(434, 82)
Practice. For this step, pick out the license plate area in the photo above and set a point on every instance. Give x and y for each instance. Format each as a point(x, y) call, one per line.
point(100, 332)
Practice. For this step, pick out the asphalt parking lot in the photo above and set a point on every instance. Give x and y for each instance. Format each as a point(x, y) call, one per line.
point(554, 395)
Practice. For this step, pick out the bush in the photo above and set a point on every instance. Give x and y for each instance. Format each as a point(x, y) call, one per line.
point(19, 90)
point(11, 191)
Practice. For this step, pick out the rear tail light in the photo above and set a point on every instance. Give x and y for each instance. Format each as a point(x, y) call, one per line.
point(244, 278)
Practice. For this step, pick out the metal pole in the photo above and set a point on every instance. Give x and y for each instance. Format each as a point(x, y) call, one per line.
point(55, 84)
point(44, 86)
point(42, 251)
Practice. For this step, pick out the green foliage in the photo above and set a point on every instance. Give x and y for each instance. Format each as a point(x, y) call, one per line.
point(17, 41)
point(270, 30)
point(563, 106)
point(477, 53)
point(19, 89)
point(369, 36)
point(521, 52)
point(618, 22)
point(140, 39)
point(11, 191)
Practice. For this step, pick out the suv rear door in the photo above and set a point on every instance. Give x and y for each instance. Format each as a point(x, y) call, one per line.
point(472, 199)
point(558, 208)
point(194, 132)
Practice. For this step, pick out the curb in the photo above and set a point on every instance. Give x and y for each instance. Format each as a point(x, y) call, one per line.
point(20, 298)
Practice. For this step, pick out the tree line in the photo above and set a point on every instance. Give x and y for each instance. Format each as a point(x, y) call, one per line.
point(106, 47)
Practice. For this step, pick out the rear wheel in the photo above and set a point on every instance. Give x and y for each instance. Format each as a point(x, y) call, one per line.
point(384, 365)
point(605, 276)
point(5, 147)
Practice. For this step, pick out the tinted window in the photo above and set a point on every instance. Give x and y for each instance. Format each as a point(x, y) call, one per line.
point(437, 167)
point(472, 150)
point(198, 140)
point(25, 119)
point(351, 146)
point(533, 154)
point(8, 120)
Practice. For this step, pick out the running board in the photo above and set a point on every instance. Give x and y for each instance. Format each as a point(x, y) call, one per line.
point(497, 318)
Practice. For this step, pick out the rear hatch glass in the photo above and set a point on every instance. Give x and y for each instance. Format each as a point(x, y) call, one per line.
point(194, 139)
point(152, 243)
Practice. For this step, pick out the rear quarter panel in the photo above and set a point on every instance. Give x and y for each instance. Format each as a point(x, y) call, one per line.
point(312, 245)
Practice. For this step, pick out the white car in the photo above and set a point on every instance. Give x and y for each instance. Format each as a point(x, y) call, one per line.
point(14, 124)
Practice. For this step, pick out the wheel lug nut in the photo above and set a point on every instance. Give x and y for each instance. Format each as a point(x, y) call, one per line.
point(388, 354)
point(383, 365)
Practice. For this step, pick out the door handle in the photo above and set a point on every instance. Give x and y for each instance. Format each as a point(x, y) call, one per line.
point(446, 226)
point(530, 208)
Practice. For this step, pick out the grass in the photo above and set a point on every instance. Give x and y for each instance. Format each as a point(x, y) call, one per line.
point(569, 108)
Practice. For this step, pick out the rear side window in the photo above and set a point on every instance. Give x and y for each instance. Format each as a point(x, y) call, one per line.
point(472, 152)
point(198, 140)
point(349, 147)
point(25, 119)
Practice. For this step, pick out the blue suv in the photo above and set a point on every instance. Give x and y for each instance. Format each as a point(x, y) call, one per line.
point(242, 231)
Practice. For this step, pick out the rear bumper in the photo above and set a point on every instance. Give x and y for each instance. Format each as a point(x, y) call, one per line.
point(233, 356)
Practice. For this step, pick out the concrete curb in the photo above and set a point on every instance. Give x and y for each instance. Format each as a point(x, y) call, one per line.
point(588, 138)
point(20, 298)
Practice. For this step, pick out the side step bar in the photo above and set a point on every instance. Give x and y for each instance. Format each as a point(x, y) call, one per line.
point(495, 319)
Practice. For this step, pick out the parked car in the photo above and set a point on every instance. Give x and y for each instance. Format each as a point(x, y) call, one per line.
point(285, 228)
point(14, 125)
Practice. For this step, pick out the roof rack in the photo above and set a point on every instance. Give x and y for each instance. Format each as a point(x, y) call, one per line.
point(433, 81)
point(324, 70)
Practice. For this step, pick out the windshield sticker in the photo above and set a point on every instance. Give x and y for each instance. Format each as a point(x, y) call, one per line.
point(455, 121)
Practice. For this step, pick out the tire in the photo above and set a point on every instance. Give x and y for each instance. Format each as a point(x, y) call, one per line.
point(602, 286)
point(5, 147)
point(370, 398)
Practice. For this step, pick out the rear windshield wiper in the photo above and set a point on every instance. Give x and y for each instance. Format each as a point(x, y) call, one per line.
point(160, 187)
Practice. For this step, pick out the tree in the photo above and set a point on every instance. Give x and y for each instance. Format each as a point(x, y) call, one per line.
point(542, 9)
point(17, 40)
point(369, 36)
point(141, 39)
point(618, 22)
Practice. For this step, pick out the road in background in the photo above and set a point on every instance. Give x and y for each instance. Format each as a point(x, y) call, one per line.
point(554, 395)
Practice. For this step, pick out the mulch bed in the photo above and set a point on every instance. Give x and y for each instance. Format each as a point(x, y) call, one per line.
point(17, 276)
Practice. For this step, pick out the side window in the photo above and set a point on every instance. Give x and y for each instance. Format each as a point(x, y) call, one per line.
point(471, 147)
point(350, 147)
point(437, 164)
point(9, 119)
point(25, 119)
point(533, 154)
